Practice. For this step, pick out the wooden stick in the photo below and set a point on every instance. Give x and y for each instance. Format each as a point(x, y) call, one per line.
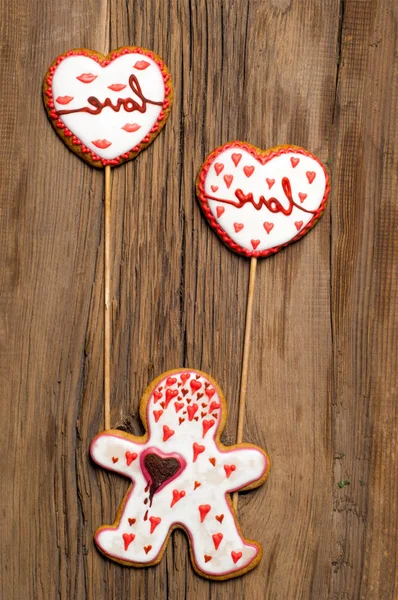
point(245, 360)
point(107, 307)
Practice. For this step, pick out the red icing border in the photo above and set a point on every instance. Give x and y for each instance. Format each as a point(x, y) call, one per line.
point(263, 156)
point(75, 144)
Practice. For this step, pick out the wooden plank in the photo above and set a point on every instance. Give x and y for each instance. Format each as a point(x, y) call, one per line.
point(321, 379)
point(364, 307)
point(50, 228)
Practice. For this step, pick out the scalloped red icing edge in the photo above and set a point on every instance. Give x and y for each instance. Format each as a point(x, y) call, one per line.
point(74, 141)
point(263, 156)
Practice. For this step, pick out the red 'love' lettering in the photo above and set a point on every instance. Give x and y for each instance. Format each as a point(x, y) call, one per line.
point(273, 204)
point(128, 104)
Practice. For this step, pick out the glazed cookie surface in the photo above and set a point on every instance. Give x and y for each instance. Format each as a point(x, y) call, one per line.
point(181, 477)
point(258, 201)
point(108, 108)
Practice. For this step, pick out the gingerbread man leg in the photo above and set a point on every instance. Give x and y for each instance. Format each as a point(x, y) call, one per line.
point(181, 476)
point(132, 544)
point(218, 548)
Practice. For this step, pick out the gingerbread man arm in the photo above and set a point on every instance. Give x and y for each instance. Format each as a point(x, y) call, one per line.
point(244, 467)
point(115, 452)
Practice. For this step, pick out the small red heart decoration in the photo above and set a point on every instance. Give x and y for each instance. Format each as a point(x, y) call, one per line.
point(130, 456)
point(167, 433)
point(192, 409)
point(311, 176)
point(214, 406)
point(177, 495)
point(195, 385)
point(229, 469)
point(197, 449)
point(157, 414)
point(157, 395)
point(268, 226)
point(236, 158)
point(206, 425)
point(204, 509)
point(217, 539)
point(293, 173)
point(128, 538)
point(228, 180)
point(154, 521)
point(270, 182)
point(236, 556)
point(248, 171)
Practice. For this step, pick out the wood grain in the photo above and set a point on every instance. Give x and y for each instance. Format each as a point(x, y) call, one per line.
point(322, 393)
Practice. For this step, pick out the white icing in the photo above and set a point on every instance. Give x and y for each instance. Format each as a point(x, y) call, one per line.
point(109, 123)
point(250, 465)
point(284, 228)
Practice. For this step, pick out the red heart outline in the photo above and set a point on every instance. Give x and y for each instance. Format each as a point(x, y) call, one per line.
point(262, 156)
point(71, 140)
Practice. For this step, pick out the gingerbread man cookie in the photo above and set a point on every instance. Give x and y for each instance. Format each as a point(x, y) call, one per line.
point(181, 476)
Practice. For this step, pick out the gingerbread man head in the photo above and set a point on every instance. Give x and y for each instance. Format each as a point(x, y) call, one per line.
point(184, 405)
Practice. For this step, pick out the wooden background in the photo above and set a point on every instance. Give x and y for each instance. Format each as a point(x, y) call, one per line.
point(323, 375)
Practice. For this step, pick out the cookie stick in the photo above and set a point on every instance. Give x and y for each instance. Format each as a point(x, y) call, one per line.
point(259, 201)
point(107, 109)
point(107, 299)
point(245, 359)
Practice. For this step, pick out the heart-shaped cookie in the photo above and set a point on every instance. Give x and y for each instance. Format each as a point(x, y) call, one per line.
point(258, 201)
point(108, 108)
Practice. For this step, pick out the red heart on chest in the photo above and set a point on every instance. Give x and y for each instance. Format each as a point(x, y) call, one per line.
point(160, 469)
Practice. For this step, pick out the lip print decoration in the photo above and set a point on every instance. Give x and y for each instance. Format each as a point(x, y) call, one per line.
point(258, 201)
point(108, 108)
